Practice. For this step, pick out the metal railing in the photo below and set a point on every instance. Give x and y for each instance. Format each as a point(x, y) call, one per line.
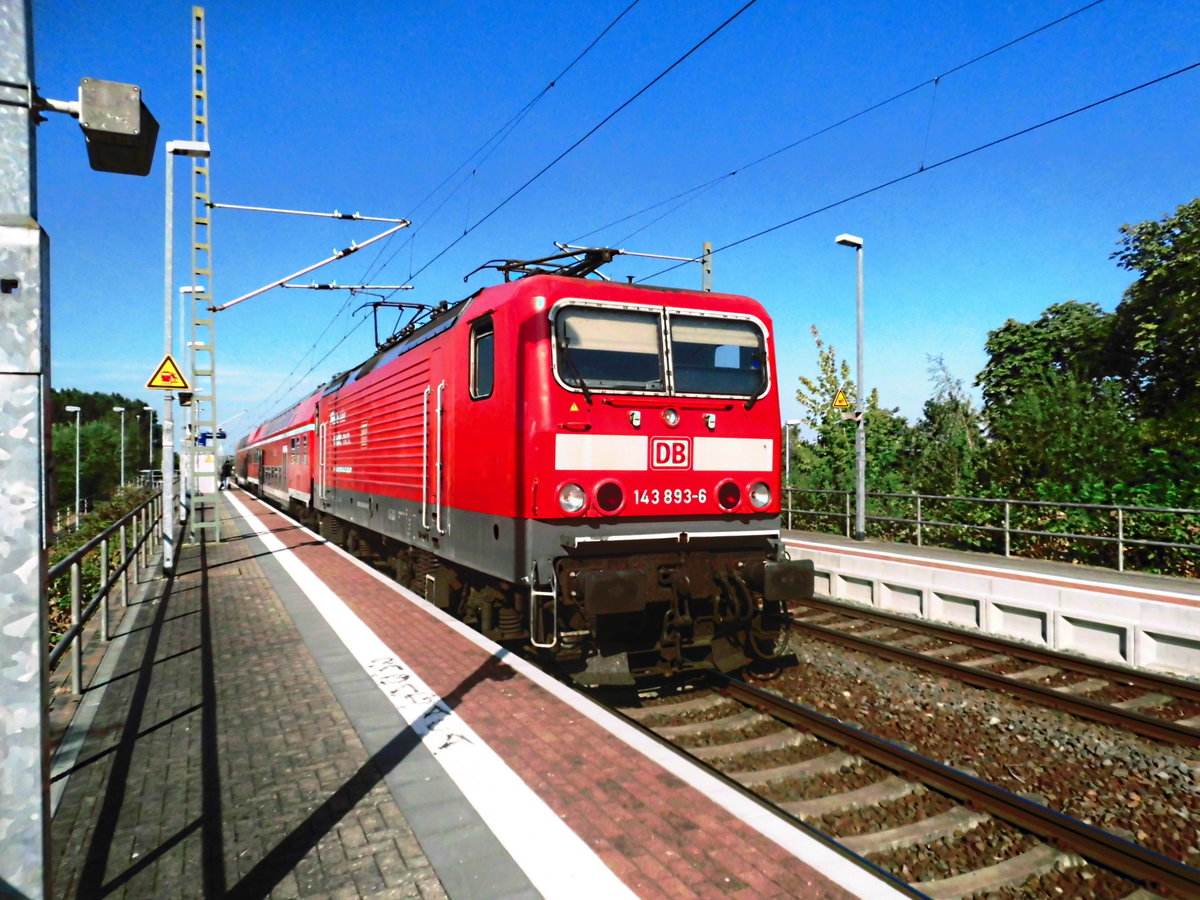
point(137, 533)
point(1152, 539)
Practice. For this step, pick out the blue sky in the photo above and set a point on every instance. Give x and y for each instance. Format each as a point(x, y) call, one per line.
point(368, 107)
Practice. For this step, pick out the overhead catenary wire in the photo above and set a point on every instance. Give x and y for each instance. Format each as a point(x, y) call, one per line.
point(943, 162)
point(934, 80)
point(499, 136)
point(550, 165)
point(691, 194)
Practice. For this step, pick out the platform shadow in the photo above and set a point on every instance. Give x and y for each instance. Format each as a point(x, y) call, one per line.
point(304, 838)
point(300, 841)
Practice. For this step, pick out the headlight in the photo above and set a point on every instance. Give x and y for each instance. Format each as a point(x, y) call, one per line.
point(571, 498)
point(760, 496)
point(670, 418)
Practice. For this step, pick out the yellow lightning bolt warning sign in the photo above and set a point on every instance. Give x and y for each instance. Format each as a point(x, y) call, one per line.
point(167, 376)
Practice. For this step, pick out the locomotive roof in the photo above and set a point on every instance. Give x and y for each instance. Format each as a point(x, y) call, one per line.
point(501, 293)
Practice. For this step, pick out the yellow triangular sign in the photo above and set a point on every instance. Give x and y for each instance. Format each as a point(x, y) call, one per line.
point(167, 376)
point(574, 407)
point(840, 401)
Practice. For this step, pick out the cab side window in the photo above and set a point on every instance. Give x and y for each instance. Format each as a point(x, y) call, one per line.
point(483, 358)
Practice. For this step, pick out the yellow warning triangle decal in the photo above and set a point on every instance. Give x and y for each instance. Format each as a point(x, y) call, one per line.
point(840, 401)
point(574, 407)
point(167, 376)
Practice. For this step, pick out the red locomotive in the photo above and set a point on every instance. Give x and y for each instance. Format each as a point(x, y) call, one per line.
point(584, 468)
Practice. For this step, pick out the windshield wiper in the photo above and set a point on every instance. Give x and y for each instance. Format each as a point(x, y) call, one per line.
point(564, 344)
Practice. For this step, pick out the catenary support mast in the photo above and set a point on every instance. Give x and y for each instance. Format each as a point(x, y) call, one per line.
point(201, 440)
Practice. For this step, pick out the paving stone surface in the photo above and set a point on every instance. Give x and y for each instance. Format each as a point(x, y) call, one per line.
point(662, 837)
point(219, 762)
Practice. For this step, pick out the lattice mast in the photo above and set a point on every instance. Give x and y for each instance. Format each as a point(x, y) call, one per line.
point(203, 445)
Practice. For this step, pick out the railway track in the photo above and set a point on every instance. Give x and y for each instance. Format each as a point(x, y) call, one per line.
point(1154, 706)
point(942, 830)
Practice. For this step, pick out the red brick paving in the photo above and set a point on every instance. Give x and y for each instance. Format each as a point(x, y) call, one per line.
point(644, 823)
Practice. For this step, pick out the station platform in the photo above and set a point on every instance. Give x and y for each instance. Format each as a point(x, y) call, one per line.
point(277, 719)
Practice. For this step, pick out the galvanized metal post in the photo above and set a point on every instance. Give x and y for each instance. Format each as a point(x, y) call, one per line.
point(1007, 525)
point(918, 520)
point(24, 386)
point(77, 644)
point(105, 568)
point(860, 434)
point(168, 416)
point(125, 570)
point(1120, 539)
point(706, 267)
point(202, 351)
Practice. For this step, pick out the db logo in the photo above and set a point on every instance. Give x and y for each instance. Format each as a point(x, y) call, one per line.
point(669, 453)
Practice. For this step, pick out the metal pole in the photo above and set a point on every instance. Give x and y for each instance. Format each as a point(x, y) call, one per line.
point(121, 410)
point(77, 507)
point(150, 438)
point(787, 454)
point(168, 419)
point(124, 563)
point(1120, 539)
point(860, 437)
point(77, 644)
point(105, 568)
point(24, 533)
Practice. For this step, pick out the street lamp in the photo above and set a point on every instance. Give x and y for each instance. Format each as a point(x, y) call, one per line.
point(149, 437)
point(199, 150)
point(787, 452)
point(121, 410)
point(860, 437)
point(76, 410)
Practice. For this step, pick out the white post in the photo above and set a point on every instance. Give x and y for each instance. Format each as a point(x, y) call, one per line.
point(860, 437)
point(121, 410)
point(76, 410)
point(168, 419)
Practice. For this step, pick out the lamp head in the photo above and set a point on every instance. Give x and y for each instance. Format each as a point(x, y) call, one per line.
point(118, 409)
point(849, 240)
point(73, 409)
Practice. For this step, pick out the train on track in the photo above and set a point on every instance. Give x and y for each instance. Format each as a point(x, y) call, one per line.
point(585, 470)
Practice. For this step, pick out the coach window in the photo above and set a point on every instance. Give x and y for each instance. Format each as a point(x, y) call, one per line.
point(483, 358)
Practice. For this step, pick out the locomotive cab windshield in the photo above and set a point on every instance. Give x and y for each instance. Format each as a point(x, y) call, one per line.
point(658, 351)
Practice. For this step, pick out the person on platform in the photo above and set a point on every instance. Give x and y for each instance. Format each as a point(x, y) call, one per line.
point(226, 471)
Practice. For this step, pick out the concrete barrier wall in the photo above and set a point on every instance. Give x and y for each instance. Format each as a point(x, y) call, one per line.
point(1103, 615)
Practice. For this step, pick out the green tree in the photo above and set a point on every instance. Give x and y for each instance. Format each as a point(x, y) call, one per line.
point(1070, 338)
point(1064, 439)
point(99, 445)
point(1157, 329)
point(948, 438)
point(826, 460)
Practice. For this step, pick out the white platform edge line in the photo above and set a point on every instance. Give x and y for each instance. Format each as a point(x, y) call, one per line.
point(854, 880)
point(1058, 580)
point(555, 859)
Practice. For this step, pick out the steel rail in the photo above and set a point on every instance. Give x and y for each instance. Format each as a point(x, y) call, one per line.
point(1150, 681)
point(1125, 857)
point(1129, 720)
